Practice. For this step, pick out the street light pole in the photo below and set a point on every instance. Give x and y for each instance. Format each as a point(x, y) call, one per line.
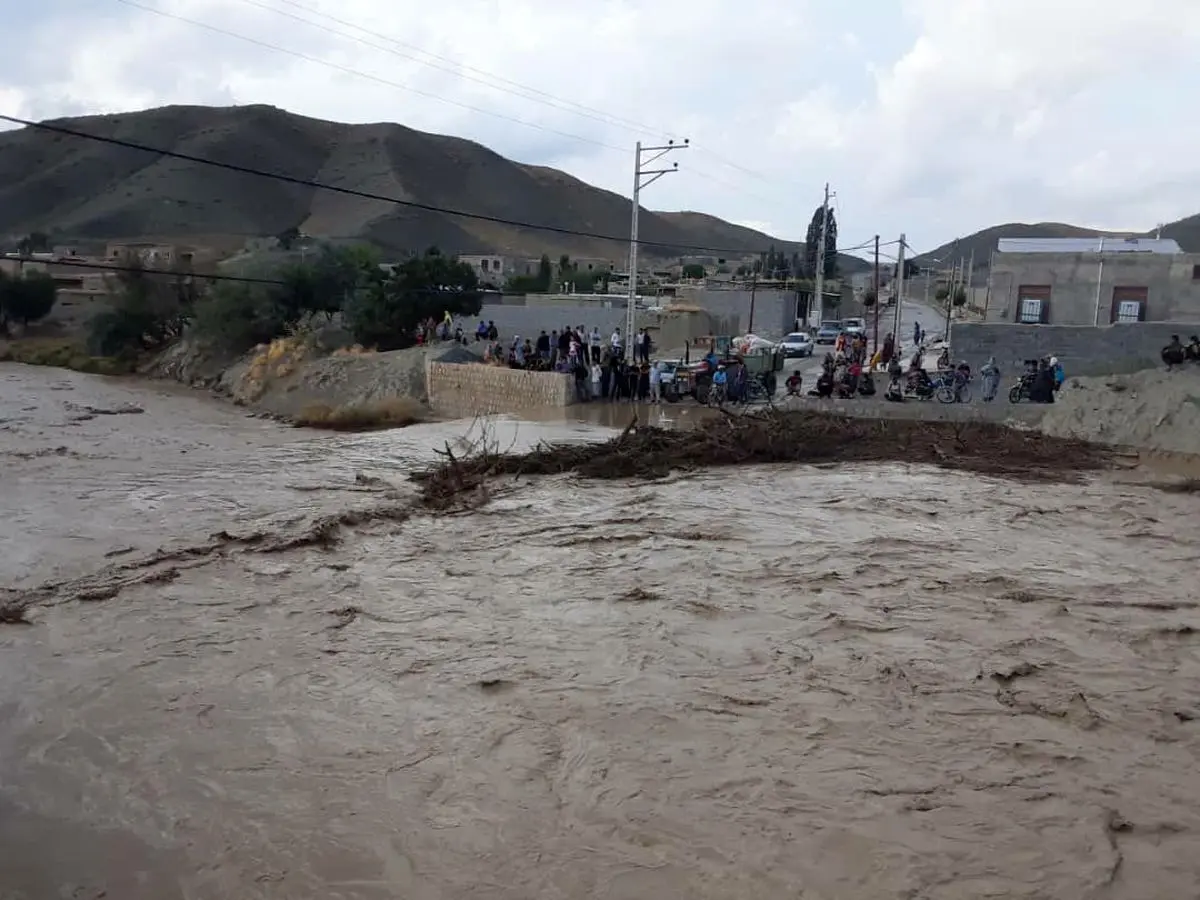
point(642, 177)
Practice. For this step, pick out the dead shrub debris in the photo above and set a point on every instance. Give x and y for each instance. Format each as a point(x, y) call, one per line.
point(772, 436)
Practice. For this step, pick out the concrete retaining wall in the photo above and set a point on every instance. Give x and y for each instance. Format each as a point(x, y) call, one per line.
point(527, 321)
point(1083, 350)
point(473, 389)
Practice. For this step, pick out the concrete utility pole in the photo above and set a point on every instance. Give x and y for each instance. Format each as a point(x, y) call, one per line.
point(899, 292)
point(819, 281)
point(642, 177)
point(950, 292)
point(875, 288)
point(970, 279)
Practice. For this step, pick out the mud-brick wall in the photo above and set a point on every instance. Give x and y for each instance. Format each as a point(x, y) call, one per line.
point(473, 389)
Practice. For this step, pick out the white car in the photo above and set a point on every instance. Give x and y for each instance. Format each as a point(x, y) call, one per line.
point(854, 326)
point(796, 344)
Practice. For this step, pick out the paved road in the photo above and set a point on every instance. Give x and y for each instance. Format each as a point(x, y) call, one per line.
point(930, 319)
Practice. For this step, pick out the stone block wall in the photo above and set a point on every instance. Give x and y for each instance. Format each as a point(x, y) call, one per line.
point(1082, 349)
point(473, 389)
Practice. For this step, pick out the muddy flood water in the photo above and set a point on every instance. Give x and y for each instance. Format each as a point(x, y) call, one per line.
point(795, 682)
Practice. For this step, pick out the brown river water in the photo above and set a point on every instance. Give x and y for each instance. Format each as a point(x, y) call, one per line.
point(791, 682)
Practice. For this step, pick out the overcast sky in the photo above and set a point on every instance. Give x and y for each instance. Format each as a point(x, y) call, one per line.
point(931, 117)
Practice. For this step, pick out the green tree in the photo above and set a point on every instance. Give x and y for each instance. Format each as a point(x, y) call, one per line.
point(693, 270)
point(238, 315)
point(327, 283)
point(386, 315)
point(288, 237)
point(34, 242)
point(25, 298)
point(812, 241)
point(149, 311)
point(535, 284)
point(870, 298)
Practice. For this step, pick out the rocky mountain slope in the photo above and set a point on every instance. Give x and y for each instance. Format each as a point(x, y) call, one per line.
point(88, 189)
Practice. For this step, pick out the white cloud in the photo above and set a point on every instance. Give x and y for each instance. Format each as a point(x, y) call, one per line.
point(969, 112)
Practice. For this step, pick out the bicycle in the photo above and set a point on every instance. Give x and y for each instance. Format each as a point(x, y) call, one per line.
point(955, 389)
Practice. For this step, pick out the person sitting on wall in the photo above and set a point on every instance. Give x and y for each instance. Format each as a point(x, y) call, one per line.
point(1174, 353)
point(1192, 351)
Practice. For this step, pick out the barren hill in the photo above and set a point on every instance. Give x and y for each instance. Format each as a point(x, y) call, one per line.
point(983, 243)
point(88, 189)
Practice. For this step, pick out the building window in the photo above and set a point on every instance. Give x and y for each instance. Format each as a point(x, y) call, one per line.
point(1033, 304)
point(1129, 304)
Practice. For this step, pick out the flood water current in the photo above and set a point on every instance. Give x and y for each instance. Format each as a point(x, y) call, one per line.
point(884, 681)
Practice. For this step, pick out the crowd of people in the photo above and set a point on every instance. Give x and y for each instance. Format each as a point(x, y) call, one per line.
point(601, 367)
point(1176, 353)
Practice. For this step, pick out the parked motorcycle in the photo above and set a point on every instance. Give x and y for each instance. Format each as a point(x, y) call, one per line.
point(1022, 390)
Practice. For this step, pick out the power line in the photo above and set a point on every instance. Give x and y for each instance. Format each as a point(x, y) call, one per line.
point(188, 275)
point(551, 100)
point(144, 270)
point(482, 76)
point(453, 67)
point(447, 64)
point(349, 71)
point(365, 195)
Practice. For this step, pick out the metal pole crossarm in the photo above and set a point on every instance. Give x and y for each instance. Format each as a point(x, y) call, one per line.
point(640, 180)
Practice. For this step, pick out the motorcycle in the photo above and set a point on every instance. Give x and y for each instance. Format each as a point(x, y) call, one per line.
point(1022, 390)
point(921, 388)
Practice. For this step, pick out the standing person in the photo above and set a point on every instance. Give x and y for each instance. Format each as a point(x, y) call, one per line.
point(645, 346)
point(917, 333)
point(615, 343)
point(597, 377)
point(1059, 375)
point(595, 344)
point(655, 383)
point(991, 379)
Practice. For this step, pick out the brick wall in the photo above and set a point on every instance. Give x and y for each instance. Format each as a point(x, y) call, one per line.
point(473, 389)
point(1083, 350)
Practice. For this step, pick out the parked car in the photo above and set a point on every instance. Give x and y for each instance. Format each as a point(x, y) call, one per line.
point(854, 326)
point(828, 332)
point(796, 344)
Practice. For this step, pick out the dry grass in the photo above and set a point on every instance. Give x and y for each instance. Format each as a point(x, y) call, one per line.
point(393, 412)
point(63, 354)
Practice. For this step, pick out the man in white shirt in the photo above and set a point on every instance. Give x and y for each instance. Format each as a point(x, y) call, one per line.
point(615, 341)
point(655, 382)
